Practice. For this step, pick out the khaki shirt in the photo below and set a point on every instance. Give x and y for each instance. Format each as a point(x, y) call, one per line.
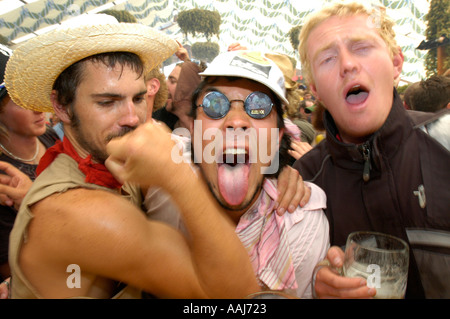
point(60, 176)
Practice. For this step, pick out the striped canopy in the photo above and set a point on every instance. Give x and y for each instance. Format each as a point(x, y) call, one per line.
point(257, 24)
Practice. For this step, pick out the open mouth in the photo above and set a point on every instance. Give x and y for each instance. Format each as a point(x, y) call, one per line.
point(233, 174)
point(235, 156)
point(357, 94)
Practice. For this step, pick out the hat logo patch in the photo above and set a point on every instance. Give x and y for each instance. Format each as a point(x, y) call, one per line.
point(262, 70)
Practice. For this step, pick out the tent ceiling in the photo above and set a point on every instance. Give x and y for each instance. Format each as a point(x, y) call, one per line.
point(260, 24)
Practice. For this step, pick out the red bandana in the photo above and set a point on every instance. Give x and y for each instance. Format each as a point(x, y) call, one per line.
point(95, 173)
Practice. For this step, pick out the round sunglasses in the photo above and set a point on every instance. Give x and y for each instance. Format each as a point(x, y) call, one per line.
point(216, 105)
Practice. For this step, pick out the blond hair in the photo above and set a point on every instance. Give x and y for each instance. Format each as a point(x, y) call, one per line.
point(294, 97)
point(163, 92)
point(376, 17)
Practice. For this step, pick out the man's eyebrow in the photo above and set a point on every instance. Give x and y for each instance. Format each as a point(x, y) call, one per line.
point(323, 49)
point(143, 92)
point(108, 95)
point(115, 95)
point(351, 39)
point(211, 89)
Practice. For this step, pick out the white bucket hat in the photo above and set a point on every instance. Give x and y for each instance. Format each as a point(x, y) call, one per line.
point(36, 64)
point(251, 65)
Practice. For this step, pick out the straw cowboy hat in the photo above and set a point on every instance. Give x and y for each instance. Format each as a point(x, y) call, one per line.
point(286, 66)
point(36, 64)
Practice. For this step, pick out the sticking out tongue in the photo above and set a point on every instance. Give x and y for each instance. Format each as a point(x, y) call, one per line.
point(357, 98)
point(233, 182)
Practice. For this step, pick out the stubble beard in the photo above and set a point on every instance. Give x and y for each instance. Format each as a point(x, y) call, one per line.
point(98, 155)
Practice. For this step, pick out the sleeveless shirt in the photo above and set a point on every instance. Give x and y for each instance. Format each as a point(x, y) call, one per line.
point(62, 175)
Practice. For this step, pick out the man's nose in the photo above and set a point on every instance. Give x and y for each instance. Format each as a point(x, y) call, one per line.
point(348, 63)
point(237, 118)
point(130, 115)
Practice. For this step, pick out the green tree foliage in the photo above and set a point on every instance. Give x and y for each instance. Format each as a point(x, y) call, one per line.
point(293, 61)
point(121, 15)
point(201, 21)
point(205, 51)
point(293, 36)
point(438, 23)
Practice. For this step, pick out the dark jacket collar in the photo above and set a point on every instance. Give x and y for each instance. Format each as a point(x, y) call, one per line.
point(385, 141)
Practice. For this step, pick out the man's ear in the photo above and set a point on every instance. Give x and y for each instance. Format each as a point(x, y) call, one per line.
point(153, 86)
point(397, 61)
point(313, 89)
point(60, 111)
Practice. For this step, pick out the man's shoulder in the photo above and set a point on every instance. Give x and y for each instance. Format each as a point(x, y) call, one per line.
point(420, 118)
point(309, 164)
point(79, 210)
point(317, 201)
point(435, 125)
point(311, 216)
point(62, 186)
point(78, 199)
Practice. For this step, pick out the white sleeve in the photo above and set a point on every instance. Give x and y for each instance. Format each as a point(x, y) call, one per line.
point(309, 240)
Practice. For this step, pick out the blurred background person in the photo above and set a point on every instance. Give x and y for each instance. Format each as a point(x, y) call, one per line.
point(305, 108)
point(157, 91)
point(24, 138)
point(430, 95)
point(168, 113)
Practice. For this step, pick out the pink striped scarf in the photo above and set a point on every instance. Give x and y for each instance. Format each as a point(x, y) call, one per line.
point(262, 232)
point(292, 129)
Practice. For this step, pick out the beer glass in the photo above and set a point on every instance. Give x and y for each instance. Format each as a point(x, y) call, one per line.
point(379, 258)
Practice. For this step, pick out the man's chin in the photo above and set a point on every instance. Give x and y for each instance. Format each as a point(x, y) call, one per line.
point(243, 206)
point(235, 208)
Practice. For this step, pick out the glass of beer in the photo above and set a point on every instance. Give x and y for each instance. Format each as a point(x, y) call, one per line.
point(379, 258)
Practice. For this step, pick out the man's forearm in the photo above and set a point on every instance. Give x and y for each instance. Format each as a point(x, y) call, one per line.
point(222, 262)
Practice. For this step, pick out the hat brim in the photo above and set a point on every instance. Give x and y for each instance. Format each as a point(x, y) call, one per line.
point(34, 66)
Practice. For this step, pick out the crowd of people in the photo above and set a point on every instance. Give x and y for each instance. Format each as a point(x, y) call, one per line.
point(225, 179)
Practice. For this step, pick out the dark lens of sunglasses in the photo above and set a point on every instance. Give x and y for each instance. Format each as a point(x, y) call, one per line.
point(215, 105)
point(258, 105)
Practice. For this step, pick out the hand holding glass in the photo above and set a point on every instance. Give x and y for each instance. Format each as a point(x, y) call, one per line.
point(380, 259)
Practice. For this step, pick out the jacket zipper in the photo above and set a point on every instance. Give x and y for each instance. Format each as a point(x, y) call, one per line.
point(367, 166)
